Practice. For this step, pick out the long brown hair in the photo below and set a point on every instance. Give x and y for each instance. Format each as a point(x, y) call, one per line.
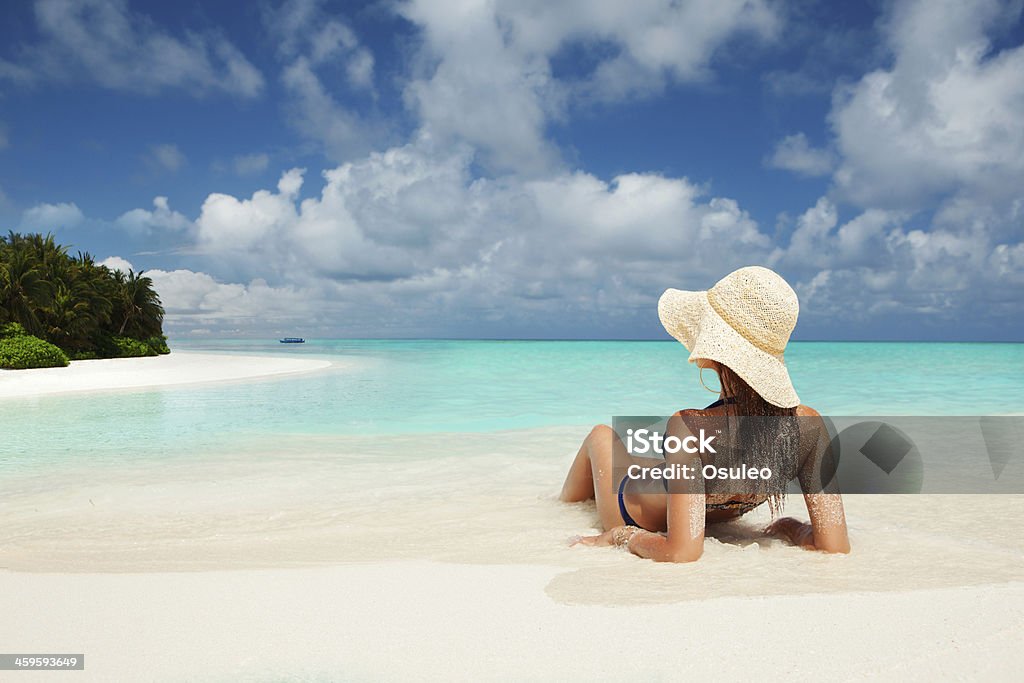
point(769, 442)
point(748, 401)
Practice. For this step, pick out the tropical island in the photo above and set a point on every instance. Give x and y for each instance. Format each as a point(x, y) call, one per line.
point(55, 308)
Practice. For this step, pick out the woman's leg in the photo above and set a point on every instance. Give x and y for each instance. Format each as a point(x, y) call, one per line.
point(590, 475)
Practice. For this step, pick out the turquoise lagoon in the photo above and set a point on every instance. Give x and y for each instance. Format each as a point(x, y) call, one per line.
point(398, 387)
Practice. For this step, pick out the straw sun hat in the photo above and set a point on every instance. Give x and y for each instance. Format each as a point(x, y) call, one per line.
point(743, 322)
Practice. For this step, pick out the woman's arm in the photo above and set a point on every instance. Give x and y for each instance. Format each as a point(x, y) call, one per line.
point(654, 546)
point(684, 541)
point(827, 529)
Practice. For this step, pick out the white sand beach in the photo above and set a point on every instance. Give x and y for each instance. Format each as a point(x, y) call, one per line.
point(428, 621)
point(289, 561)
point(137, 373)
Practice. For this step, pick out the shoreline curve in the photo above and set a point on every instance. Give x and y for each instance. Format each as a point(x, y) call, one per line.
point(175, 369)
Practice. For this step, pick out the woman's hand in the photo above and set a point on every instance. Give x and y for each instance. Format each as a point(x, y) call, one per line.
point(792, 530)
point(607, 538)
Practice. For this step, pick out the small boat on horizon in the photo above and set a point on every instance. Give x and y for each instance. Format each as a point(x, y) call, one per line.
point(292, 340)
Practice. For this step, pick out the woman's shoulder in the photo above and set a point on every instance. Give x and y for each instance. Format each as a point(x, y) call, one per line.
point(806, 411)
point(812, 429)
point(801, 411)
point(696, 416)
point(688, 411)
point(687, 420)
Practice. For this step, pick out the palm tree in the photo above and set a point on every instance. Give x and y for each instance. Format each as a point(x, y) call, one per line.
point(69, 323)
point(142, 314)
point(96, 284)
point(23, 287)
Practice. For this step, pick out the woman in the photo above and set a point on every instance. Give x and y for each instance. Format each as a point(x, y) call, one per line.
point(738, 329)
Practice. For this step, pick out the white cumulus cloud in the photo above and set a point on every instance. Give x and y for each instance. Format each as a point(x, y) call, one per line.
point(160, 218)
point(166, 156)
point(117, 263)
point(945, 118)
point(930, 158)
point(313, 45)
point(48, 217)
point(410, 231)
point(106, 42)
point(795, 153)
point(487, 67)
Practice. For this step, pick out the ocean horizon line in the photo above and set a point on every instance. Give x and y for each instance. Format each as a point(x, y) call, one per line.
point(608, 339)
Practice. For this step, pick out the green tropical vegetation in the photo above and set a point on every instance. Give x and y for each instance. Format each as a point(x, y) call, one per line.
point(19, 350)
point(55, 307)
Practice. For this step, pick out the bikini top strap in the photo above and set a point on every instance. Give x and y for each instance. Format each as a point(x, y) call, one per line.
point(722, 402)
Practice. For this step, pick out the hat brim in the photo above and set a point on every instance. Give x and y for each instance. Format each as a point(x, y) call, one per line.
point(689, 317)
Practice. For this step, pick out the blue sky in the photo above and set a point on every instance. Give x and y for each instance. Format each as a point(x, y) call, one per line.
point(526, 169)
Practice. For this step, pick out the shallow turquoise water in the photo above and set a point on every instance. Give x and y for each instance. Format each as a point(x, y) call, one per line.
point(458, 386)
